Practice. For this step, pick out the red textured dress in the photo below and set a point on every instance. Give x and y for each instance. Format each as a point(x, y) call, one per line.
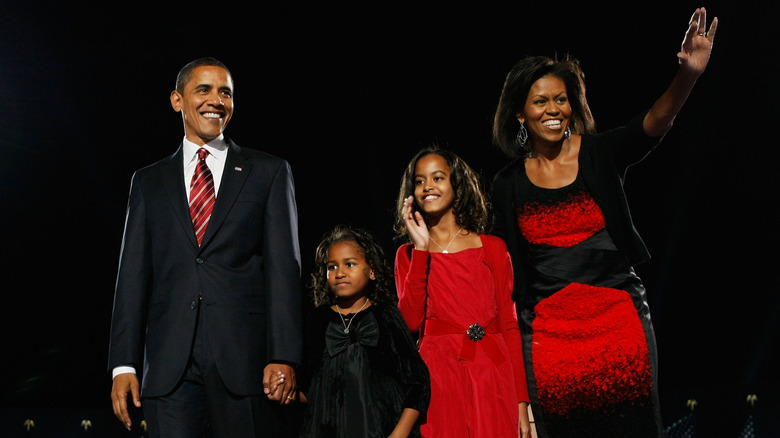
point(477, 372)
point(586, 323)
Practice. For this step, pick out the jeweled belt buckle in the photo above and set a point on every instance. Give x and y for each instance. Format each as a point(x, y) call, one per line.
point(476, 332)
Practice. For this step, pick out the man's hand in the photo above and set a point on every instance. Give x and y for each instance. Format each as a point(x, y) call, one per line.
point(279, 383)
point(125, 384)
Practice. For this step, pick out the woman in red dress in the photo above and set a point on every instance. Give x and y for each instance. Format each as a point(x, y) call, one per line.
point(454, 288)
point(560, 207)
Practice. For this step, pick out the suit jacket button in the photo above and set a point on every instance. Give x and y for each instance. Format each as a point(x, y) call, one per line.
point(198, 260)
point(193, 305)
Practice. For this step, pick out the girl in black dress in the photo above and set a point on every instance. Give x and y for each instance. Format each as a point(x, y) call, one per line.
point(362, 374)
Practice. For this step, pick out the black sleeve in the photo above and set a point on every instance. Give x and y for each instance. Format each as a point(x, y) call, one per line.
point(405, 361)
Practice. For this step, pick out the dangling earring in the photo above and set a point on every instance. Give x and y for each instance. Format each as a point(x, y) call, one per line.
point(567, 133)
point(522, 135)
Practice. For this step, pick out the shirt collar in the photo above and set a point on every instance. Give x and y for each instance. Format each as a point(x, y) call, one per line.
point(217, 148)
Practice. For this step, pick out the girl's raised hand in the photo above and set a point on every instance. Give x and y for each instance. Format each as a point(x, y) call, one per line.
point(415, 223)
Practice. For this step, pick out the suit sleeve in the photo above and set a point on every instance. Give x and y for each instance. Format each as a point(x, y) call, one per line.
point(283, 267)
point(133, 277)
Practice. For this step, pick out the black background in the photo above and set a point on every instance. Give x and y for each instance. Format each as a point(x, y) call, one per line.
point(347, 94)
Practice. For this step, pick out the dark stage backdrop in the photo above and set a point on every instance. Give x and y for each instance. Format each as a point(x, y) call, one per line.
point(347, 95)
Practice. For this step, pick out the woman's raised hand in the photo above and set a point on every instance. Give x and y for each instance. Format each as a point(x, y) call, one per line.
point(697, 45)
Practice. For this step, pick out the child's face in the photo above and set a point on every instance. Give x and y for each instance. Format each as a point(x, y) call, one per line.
point(348, 271)
point(432, 187)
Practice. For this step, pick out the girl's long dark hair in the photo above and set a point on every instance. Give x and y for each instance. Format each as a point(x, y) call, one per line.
point(470, 203)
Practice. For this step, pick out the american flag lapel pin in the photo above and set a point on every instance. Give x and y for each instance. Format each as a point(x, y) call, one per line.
point(238, 168)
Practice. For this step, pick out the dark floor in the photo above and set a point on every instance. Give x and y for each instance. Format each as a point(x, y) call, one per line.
point(707, 417)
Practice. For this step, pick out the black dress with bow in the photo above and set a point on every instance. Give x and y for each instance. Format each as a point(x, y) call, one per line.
point(358, 383)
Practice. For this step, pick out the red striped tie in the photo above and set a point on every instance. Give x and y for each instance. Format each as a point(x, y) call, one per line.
point(201, 195)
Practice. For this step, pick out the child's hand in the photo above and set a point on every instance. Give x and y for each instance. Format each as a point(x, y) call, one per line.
point(415, 223)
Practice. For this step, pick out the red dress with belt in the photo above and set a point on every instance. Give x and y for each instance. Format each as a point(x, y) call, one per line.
point(461, 306)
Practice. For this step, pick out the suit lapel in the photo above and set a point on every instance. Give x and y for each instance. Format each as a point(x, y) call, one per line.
point(236, 171)
point(177, 194)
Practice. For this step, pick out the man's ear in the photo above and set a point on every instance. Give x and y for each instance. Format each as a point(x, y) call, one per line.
point(176, 101)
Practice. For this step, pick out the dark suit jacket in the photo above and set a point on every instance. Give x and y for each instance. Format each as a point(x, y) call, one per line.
point(248, 271)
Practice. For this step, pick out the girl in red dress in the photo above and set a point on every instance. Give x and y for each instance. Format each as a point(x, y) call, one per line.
point(454, 287)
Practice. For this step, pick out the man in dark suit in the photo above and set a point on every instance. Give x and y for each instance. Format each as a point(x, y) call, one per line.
point(215, 325)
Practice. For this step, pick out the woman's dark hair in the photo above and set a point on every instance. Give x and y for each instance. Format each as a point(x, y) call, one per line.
point(470, 203)
point(381, 289)
point(517, 84)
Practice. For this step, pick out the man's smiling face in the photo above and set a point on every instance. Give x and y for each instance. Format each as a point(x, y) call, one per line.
point(206, 104)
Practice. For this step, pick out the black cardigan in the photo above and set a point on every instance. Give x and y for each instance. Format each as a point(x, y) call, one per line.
point(604, 159)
